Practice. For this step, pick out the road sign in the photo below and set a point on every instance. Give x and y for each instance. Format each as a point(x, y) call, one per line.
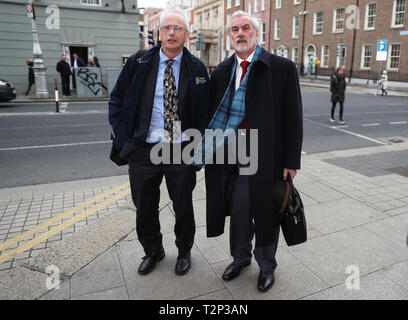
point(382, 50)
point(404, 33)
point(30, 11)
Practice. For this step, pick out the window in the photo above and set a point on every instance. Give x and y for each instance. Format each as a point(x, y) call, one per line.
point(318, 23)
point(207, 19)
point(398, 13)
point(237, 2)
point(295, 29)
point(295, 55)
point(250, 7)
point(263, 32)
point(91, 2)
point(371, 13)
point(282, 51)
point(394, 56)
point(216, 19)
point(278, 4)
point(255, 6)
point(263, 5)
point(277, 29)
point(342, 56)
point(228, 4)
point(338, 20)
point(325, 56)
point(296, 2)
point(367, 57)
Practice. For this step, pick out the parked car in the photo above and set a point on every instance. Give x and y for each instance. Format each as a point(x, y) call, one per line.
point(7, 90)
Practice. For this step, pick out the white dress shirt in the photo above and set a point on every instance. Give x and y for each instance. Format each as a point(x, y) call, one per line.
point(238, 72)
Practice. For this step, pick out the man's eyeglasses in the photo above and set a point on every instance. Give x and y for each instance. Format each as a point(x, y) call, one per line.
point(169, 27)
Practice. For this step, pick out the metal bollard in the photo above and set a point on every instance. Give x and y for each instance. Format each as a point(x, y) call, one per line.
point(56, 97)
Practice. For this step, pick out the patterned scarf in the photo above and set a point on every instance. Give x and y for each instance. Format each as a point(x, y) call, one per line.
point(226, 119)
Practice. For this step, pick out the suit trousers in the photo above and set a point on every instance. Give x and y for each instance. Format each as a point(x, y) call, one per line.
point(145, 180)
point(242, 228)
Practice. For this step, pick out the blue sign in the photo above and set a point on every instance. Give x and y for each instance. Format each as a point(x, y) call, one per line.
point(404, 33)
point(382, 45)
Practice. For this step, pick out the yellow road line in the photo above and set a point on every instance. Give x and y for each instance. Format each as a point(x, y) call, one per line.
point(66, 224)
point(63, 215)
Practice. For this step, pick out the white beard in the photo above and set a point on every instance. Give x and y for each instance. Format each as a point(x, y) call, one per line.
point(244, 48)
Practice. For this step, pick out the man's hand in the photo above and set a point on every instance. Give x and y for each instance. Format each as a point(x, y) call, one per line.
point(291, 171)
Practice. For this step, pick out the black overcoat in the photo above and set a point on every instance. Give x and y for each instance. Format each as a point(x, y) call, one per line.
point(273, 105)
point(337, 88)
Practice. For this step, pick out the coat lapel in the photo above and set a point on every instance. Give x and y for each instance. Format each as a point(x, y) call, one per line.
point(183, 89)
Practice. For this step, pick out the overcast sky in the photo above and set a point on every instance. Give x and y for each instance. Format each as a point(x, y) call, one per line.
point(152, 3)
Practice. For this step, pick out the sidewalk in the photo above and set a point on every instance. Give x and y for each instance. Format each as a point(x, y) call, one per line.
point(31, 99)
point(357, 214)
point(360, 88)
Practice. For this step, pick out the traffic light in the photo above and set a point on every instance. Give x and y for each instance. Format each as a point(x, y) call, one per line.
point(150, 36)
point(343, 52)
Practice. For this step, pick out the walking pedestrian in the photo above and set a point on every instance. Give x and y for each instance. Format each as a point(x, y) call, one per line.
point(383, 82)
point(338, 89)
point(65, 71)
point(169, 85)
point(31, 77)
point(253, 89)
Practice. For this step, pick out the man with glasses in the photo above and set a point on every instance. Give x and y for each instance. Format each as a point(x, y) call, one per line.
point(157, 103)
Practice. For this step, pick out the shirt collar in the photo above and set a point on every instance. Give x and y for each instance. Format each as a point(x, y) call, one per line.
point(164, 58)
point(249, 59)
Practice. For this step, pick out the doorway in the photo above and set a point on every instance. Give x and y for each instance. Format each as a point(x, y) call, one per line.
point(82, 52)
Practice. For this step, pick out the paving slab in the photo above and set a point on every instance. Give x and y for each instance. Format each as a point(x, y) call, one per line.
point(76, 251)
point(223, 294)
point(374, 286)
point(292, 280)
point(111, 294)
point(163, 283)
point(394, 229)
point(329, 256)
point(397, 273)
point(101, 274)
point(63, 293)
point(22, 284)
point(340, 214)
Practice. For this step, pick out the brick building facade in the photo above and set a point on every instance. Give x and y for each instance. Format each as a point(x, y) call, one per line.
point(342, 33)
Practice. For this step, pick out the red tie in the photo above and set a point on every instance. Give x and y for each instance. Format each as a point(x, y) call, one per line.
point(244, 66)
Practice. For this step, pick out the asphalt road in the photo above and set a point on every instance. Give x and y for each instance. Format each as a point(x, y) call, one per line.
point(39, 146)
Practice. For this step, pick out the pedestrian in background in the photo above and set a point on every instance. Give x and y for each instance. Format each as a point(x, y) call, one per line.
point(383, 82)
point(91, 63)
point(338, 89)
point(97, 64)
point(78, 63)
point(65, 71)
point(31, 77)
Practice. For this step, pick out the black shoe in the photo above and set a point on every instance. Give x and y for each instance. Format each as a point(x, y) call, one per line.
point(183, 263)
point(233, 271)
point(265, 281)
point(149, 262)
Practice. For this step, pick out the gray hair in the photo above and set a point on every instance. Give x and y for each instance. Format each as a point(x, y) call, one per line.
point(255, 21)
point(179, 11)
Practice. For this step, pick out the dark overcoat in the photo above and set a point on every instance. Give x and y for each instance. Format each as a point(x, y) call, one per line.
point(337, 88)
point(273, 105)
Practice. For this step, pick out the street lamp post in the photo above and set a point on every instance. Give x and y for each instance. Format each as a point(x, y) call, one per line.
point(38, 62)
